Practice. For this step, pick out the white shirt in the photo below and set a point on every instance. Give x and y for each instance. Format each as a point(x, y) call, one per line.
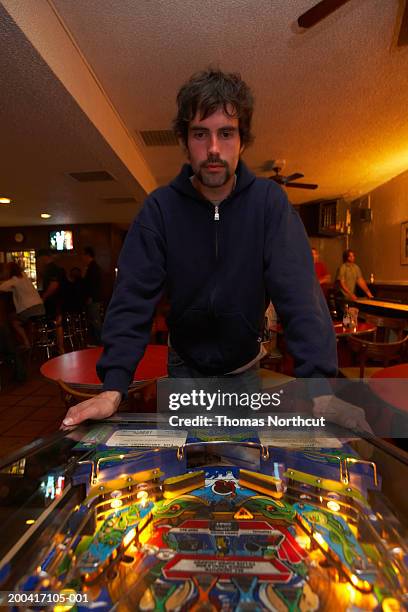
point(25, 294)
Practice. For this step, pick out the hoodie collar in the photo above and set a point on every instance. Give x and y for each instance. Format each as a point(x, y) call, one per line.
point(183, 184)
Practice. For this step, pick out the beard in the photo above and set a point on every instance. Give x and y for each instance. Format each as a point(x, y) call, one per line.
point(216, 179)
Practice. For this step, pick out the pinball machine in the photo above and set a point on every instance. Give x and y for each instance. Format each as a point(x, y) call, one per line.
point(127, 515)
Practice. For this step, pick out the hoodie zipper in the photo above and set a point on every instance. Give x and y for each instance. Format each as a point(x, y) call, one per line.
point(216, 221)
point(216, 218)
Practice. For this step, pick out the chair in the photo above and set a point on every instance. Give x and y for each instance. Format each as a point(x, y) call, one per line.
point(383, 352)
point(71, 396)
point(388, 328)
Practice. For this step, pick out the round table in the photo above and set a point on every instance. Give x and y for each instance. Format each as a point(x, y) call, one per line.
point(343, 352)
point(361, 328)
point(391, 385)
point(79, 367)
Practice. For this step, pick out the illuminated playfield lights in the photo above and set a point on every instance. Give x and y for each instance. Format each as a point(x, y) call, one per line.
point(116, 503)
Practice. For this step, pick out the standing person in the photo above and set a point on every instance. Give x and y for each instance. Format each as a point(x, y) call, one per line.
point(220, 242)
point(349, 276)
point(321, 270)
point(75, 297)
point(27, 300)
point(93, 293)
point(54, 284)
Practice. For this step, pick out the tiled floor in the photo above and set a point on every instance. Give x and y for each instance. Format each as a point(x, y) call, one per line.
point(27, 411)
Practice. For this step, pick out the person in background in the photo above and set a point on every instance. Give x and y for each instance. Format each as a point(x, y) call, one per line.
point(27, 300)
point(187, 240)
point(349, 276)
point(321, 270)
point(75, 296)
point(93, 293)
point(54, 283)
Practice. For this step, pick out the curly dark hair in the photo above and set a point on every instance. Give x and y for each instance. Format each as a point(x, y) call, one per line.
point(346, 254)
point(209, 90)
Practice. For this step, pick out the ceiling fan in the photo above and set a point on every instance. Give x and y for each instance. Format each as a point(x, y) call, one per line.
point(287, 181)
point(325, 7)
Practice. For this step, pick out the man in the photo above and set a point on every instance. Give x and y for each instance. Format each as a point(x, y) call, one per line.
point(92, 284)
point(321, 270)
point(221, 243)
point(54, 283)
point(75, 299)
point(349, 276)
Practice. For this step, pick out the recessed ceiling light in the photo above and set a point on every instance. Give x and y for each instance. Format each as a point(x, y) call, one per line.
point(5, 201)
point(45, 216)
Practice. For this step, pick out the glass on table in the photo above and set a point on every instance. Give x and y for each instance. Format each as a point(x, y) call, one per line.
point(353, 314)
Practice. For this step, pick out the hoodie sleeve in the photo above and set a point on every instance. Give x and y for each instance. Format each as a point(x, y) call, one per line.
point(295, 292)
point(138, 288)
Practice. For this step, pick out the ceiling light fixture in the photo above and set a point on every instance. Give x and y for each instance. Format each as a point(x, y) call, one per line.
point(45, 216)
point(5, 201)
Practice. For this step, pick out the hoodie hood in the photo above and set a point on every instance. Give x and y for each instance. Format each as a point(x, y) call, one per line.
point(182, 182)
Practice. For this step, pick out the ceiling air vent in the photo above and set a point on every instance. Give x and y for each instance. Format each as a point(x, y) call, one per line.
point(159, 138)
point(91, 177)
point(123, 200)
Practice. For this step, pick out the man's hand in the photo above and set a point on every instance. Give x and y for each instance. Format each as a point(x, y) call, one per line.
point(101, 406)
point(340, 412)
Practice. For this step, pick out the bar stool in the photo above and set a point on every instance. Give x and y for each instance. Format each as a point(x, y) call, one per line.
point(68, 330)
point(80, 329)
point(44, 336)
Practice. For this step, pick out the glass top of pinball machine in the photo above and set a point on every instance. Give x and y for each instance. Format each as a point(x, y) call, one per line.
point(127, 514)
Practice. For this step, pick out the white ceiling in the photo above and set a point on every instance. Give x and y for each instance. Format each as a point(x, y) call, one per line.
point(331, 101)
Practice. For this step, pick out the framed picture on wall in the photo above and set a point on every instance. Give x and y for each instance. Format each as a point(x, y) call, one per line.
point(404, 243)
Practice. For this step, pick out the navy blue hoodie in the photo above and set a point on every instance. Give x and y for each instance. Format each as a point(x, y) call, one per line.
point(219, 276)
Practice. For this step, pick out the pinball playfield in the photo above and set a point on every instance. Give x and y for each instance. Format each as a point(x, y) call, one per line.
point(209, 524)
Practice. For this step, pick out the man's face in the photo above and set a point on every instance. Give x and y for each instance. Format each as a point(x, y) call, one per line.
point(351, 257)
point(213, 148)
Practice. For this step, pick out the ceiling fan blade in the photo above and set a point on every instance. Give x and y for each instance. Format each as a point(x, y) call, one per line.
point(277, 178)
point(293, 177)
point(318, 12)
point(403, 33)
point(302, 185)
